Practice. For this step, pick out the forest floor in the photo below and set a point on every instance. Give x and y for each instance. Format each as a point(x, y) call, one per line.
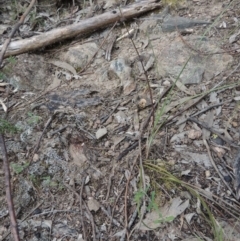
point(130, 132)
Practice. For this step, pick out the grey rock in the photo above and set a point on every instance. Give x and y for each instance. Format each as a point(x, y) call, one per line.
point(101, 132)
point(171, 23)
point(78, 98)
point(79, 56)
point(121, 68)
point(26, 74)
point(173, 56)
point(148, 25)
point(123, 71)
point(93, 204)
point(236, 170)
point(25, 193)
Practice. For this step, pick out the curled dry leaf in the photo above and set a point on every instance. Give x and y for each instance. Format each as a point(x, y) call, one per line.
point(3, 105)
point(142, 103)
point(63, 65)
point(194, 134)
point(167, 213)
point(93, 204)
point(219, 151)
point(77, 153)
point(207, 173)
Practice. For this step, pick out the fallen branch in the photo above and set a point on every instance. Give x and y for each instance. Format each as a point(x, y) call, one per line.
point(83, 27)
point(12, 215)
point(205, 126)
point(8, 190)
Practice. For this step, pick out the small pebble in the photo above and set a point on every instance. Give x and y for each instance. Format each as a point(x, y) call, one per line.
point(207, 173)
point(101, 132)
point(107, 144)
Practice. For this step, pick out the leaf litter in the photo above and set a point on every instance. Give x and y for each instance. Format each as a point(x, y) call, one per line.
point(80, 103)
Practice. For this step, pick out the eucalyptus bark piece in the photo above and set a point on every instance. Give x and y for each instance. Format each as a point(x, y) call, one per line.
point(83, 27)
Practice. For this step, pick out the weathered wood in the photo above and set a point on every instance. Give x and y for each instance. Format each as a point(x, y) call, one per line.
point(83, 27)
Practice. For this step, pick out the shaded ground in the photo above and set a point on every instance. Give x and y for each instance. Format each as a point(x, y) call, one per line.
point(89, 162)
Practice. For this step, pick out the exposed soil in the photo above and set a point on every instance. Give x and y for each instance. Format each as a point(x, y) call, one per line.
point(114, 140)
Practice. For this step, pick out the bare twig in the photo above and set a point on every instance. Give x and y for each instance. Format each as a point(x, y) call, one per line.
point(204, 125)
point(92, 222)
point(90, 61)
point(204, 110)
point(55, 211)
point(87, 209)
point(106, 118)
point(8, 190)
point(144, 70)
point(110, 216)
point(200, 52)
point(110, 180)
point(225, 205)
point(215, 167)
point(110, 47)
point(129, 224)
point(144, 126)
point(125, 152)
point(37, 206)
point(111, 220)
point(81, 208)
point(126, 206)
point(5, 159)
point(230, 74)
point(142, 175)
point(15, 28)
point(39, 140)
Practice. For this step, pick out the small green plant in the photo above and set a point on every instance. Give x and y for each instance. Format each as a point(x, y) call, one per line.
point(35, 180)
point(12, 60)
point(18, 168)
point(33, 119)
point(152, 205)
point(6, 127)
point(35, 20)
point(48, 182)
point(172, 3)
point(2, 76)
point(165, 175)
point(138, 197)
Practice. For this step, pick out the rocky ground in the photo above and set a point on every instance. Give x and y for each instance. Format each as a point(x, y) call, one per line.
point(125, 133)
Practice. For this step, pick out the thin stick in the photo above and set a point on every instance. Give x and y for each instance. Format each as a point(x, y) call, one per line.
point(142, 175)
point(15, 28)
point(37, 206)
point(144, 70)
point(204, 125)
point(90, 61)
point(5, 159)
point(129, 224)
point(110, 216)
point(106, 118)
point(8, 190)
point(39, 140)
point(144, 126)
point(215, 167)
point(87, 209)
point(110, 180)
point(203, 111)
point(92, 221)
point(125, 152)
point(111, 220)
point(125, 208)
point(81, 208)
